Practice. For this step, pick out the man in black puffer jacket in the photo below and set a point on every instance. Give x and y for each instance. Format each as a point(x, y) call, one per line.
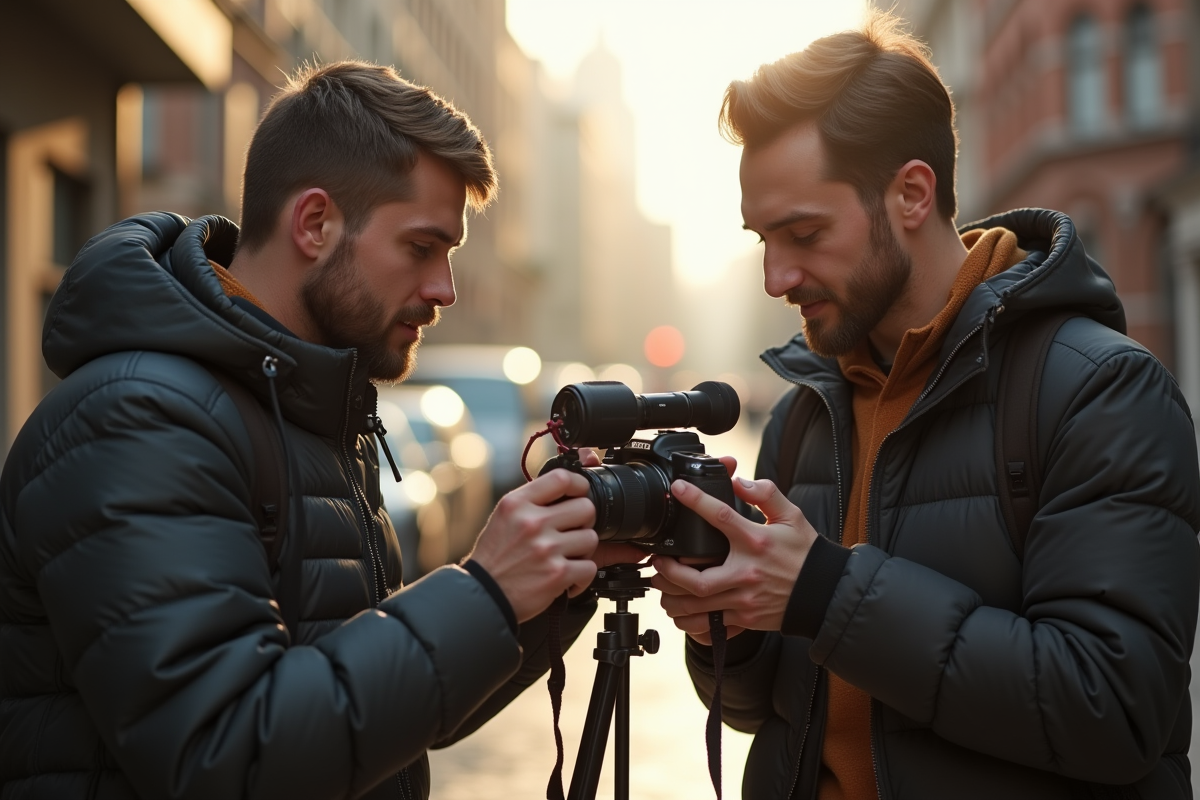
point(143, 651)
point(891, 637)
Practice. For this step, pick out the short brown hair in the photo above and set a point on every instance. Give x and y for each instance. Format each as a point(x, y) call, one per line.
point(354, 129)
point(875, 97)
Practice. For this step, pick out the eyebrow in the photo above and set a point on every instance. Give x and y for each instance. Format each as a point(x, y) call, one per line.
point(790, 219)
point(438, 233)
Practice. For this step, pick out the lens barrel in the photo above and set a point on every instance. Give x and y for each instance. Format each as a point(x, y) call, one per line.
point(608, 413)
point(632, 500)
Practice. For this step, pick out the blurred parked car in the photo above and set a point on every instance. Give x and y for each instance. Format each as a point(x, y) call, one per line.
point(483, 376)
point(445, 497)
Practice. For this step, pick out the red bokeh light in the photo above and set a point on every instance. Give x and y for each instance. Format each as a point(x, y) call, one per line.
point(664, 346)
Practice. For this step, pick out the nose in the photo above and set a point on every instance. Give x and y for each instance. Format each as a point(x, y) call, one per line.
point(780, 273)
point(438, 288)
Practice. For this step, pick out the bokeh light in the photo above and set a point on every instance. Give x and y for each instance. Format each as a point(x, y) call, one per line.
point(522, 365)
point(420, 487)
point(664, 346)
point(442, 406)
point(469, 450)
point(574, 372)
point(621, 372)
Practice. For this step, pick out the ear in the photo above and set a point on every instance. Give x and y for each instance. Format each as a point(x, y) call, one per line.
point(913, 194)
point(316, 223)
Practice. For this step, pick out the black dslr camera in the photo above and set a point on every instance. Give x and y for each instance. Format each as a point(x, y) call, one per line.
point(632, 488)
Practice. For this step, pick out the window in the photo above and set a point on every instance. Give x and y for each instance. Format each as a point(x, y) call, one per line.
point(69, 221)
point(1085, 77)
point(1143, 71)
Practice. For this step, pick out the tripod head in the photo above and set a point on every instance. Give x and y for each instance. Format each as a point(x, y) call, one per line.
point(620, 582)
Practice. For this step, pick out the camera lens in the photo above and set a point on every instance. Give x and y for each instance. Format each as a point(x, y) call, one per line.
point(607, 413)
point(632, 500)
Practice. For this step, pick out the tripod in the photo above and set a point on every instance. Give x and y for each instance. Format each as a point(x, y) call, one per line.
point(614, 645)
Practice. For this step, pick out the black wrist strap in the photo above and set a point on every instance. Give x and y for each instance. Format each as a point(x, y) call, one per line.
point(556, 683)
point(712, 732)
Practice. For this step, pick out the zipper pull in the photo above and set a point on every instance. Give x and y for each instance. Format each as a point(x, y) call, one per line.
point(375, 426)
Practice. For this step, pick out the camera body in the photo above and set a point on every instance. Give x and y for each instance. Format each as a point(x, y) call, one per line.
point(631, 489)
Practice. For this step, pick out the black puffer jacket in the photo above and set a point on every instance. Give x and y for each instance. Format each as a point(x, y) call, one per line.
point(142, 652)
point(992, 677)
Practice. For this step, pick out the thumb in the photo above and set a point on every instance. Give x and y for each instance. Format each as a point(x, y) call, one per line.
point(766, 497)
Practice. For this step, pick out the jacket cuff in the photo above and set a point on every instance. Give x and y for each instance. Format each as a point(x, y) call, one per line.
point(814, 588)
point(493, 589)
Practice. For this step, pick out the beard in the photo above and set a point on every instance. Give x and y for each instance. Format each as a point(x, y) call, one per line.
point(348, 314)
point(871, 291)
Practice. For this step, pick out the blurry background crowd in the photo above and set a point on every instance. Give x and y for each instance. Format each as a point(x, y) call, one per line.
point(614, 250)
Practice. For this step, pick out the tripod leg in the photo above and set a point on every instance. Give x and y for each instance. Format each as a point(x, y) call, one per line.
point(621, 756)
point(585, 778)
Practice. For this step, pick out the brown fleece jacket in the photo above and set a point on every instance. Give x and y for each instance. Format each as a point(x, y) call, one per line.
point(881, 402)
point(232, 286)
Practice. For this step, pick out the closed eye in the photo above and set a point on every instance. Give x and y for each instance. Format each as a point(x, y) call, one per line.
point(422, 250)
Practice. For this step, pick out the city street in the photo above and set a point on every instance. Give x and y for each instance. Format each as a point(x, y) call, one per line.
point(512, 756)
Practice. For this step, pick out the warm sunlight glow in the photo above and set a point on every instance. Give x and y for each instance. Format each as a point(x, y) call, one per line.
point(677, 60)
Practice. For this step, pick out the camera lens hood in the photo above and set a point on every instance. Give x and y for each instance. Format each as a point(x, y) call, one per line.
point(724, 407)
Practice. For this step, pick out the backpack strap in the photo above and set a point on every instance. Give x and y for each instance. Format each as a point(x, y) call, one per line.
point(1018, 468)
point(268, 484)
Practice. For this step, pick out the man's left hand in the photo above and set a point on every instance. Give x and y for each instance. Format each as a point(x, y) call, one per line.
point(754, 583)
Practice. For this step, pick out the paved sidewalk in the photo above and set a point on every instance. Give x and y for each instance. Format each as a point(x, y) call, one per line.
point(512, 756)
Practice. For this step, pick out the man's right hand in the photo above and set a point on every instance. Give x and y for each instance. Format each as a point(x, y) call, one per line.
point(534, 547)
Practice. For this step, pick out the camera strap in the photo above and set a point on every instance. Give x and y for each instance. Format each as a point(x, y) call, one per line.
point(712, 732)
point(556, 683)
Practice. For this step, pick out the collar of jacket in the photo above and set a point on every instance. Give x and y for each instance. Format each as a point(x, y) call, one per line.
point(1057, 274)
point(146, 284)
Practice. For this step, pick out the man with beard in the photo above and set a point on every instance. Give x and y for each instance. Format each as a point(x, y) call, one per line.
point(149, 648)
point(892, 634)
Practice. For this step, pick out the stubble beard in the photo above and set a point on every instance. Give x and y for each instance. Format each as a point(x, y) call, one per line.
point(871, 291)
point(347, 314)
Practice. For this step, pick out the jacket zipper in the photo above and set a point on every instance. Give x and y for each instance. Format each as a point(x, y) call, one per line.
point(360, 495)
point(837, 465)
point(812, 701)
point(402, 784)
point(870, 505)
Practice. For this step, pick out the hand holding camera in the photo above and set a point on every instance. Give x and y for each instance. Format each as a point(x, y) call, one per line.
point(538, 541)
point(754, 583)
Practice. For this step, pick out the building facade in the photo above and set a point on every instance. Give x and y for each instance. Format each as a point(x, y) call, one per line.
point(1080, 106)
point(60, 170)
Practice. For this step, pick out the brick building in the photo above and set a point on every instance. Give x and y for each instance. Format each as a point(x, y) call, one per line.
point(1080, 106)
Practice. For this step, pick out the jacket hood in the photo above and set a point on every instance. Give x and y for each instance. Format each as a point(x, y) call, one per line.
point(146, 284)
point(1057, 274)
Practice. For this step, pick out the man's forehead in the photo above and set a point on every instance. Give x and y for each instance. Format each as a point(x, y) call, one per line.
point(783, 180)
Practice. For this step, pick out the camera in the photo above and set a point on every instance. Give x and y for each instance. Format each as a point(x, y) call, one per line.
point(631, 489)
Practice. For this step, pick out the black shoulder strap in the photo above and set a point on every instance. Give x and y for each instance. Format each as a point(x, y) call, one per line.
point(1018, 469)
point(268, 488)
